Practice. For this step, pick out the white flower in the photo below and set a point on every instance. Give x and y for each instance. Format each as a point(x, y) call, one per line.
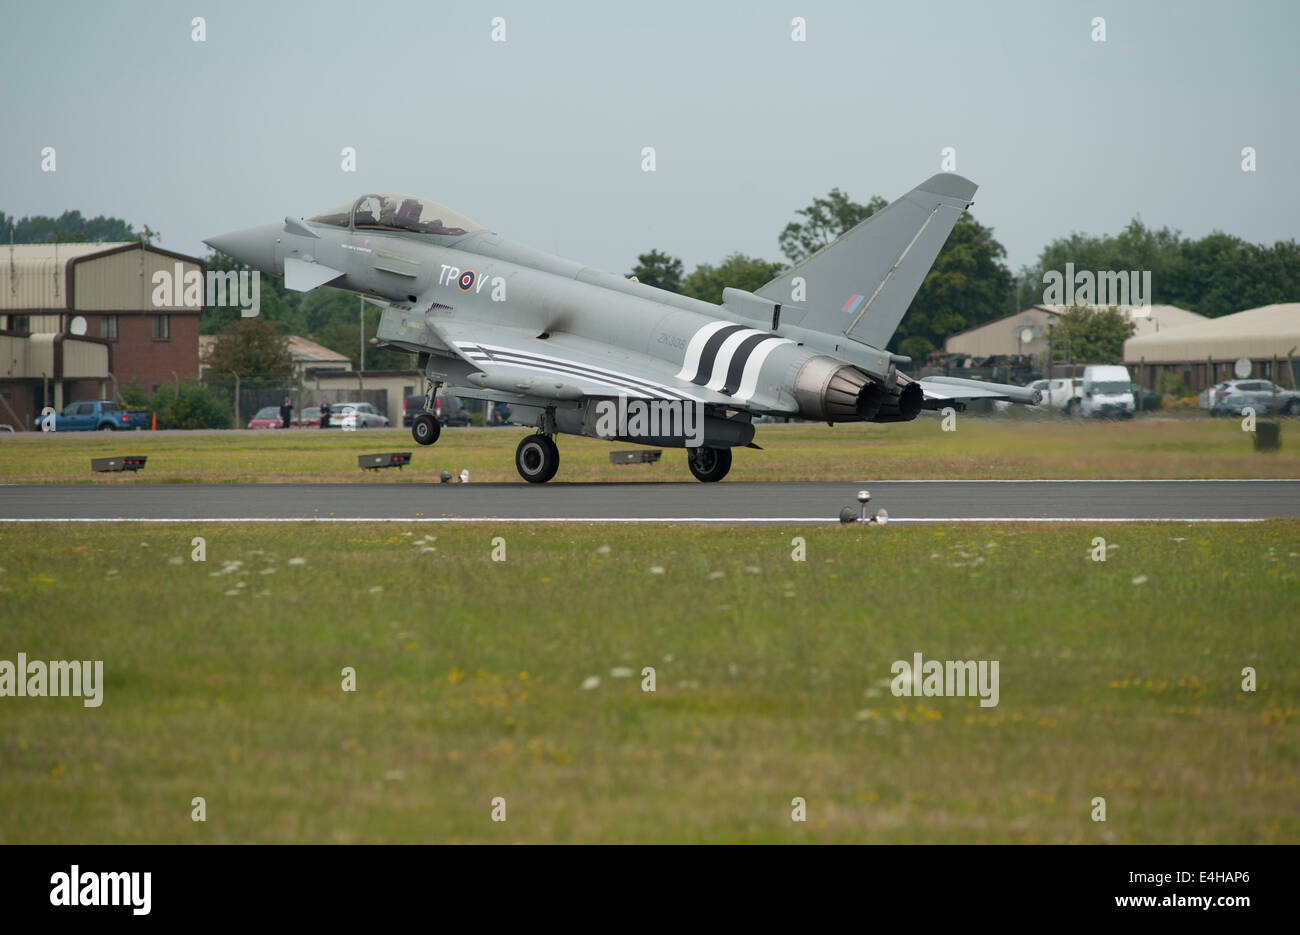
point(297, 561)
point(1140, 579)
point(657, 570)
point(621, 672)
point(590, 682)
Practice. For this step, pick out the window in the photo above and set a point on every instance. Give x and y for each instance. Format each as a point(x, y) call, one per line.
point(20, 323)
point(108, 327)
point(85, 409)
point(404, 213)
point(161, 328)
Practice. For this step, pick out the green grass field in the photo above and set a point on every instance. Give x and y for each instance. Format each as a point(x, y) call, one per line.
point(979, 448)
point(1119, 679)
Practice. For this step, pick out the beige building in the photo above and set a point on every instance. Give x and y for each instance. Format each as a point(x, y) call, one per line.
point(309, 358)
point(1026, 331)
point(1203, 353)
point(396, 385)
point(78, 321)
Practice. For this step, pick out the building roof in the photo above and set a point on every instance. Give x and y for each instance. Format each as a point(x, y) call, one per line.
point(300, 349)
point(1257, 333)
point(304, 351)
point(1000, 337)
point(34, 275)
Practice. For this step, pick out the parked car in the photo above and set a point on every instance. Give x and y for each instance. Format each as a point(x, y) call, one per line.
point(1230, 398)
point(100, 415)
point(268, 417)
point(447, 409)
point(1057, 393)
point(309, 418)
point(1206, 397)
point(356, 416)
point(1149, 400)
point(1107, 392)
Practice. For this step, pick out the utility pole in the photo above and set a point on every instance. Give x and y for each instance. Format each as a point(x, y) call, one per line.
point(363, 333)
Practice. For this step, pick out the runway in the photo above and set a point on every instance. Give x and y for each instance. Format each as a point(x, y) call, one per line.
point(906, 501)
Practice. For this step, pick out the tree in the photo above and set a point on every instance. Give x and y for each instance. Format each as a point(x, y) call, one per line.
point(180, 406)
point(1215, 275)
point(69, 227)
point(824, 220)
point(660, 270)
point(737, 271)
point(254, 349)
point(1092, 336)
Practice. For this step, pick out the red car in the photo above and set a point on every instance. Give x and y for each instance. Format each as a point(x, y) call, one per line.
point(267, 418)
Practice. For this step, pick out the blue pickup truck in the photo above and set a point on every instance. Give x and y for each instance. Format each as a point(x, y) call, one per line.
point(100, 414)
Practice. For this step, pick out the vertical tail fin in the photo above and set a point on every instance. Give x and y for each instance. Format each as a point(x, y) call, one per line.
point(861, 284)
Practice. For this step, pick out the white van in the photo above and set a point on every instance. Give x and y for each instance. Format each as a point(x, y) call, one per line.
point(1107, 393)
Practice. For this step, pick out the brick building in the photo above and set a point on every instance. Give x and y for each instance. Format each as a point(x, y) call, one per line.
point(101, 293)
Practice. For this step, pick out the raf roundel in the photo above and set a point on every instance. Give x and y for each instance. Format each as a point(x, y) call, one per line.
point(466, 280)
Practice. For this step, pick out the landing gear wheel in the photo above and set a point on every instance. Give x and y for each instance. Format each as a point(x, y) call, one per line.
point(708, 464)
point(425, 429)
point(537, 459)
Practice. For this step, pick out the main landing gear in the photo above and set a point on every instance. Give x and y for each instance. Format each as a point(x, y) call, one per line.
point(537, 458)
point(425, 429)
point(708, 464)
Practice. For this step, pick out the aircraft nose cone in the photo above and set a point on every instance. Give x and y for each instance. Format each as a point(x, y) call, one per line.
point(254, 246)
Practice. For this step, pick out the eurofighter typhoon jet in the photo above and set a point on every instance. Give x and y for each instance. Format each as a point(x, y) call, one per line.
point(575, 350)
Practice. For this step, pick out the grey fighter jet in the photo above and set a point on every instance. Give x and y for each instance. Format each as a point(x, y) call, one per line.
point(571, 349)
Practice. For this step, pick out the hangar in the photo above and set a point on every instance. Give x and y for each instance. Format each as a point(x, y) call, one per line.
point(1025, 332)
point(1203, 353)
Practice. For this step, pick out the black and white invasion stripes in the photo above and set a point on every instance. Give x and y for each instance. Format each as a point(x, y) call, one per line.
point(727, 358)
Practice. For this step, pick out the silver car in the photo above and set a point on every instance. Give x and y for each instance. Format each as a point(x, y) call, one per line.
point(1230, 398)
point(356, 416)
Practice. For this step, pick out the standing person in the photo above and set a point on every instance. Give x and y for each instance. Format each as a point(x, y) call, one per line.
point(324, 413)
point(286, 412)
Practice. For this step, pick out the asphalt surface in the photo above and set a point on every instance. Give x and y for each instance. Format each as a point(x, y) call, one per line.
point(942, 500)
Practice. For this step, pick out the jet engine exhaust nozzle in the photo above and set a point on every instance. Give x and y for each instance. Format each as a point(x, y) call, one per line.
point(831, 391)
point(902, 406)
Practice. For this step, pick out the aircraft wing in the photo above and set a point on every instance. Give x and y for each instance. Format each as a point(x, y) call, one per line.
point(562, 366)
point(945, 388)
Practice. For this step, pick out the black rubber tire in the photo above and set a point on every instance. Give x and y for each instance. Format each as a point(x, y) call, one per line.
point(1293, 408)
point(537, 458)
point(108, 427)
point(425, 429)
point(709, 465)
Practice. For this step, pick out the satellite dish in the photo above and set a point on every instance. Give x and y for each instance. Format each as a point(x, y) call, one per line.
point(1027, 335)
point(77, 326)
point(1242, 368)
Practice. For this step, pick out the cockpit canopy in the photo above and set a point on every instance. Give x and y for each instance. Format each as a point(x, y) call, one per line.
point(400, 213)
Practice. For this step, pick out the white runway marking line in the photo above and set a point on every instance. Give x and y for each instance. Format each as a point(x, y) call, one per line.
point(1085, 480)
point(728, 520)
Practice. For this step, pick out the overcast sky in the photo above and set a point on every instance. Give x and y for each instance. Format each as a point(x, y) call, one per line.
point(540, 137)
